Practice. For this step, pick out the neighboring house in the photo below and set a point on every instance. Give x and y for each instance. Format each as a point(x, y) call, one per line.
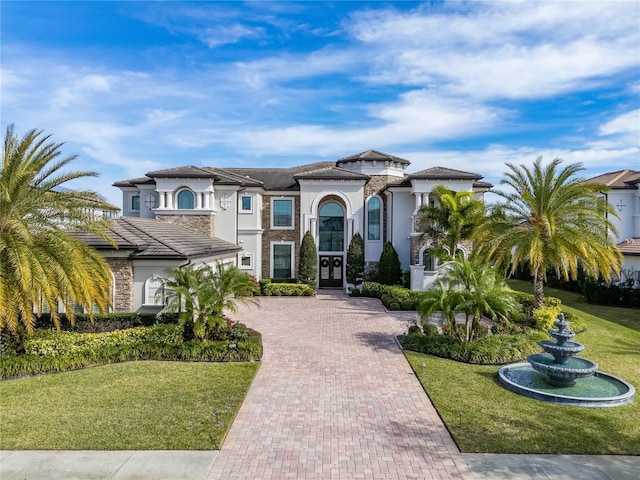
point(145, 249)
point(624, 196)
point(266, 211)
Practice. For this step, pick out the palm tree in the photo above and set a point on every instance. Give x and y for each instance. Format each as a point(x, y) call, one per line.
point(441, 298)
point(450, 222)
point(202, 293)
point(41, 263)
point(473, 288)
point(483, 290)
point(550, 218)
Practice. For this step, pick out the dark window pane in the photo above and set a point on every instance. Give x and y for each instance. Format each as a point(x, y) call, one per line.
point(373, 219)
point(331, 228)
point(282, 213)
point(282, 261)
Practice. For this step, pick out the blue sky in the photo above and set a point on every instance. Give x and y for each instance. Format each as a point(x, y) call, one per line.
point(138, 86)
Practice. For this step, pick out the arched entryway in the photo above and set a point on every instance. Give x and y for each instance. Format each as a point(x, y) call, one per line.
point(331, 244)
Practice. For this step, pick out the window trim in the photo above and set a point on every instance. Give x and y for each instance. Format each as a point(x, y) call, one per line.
point(380, 217)
point(245, 255)
point(251, 200)
point(293, 213)
point(293, 257)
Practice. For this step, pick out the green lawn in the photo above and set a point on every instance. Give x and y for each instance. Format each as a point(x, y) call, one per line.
point(134, 405)
point(482, 416)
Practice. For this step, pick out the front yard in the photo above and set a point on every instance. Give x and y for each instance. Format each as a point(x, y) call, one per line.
point(145, 405)
point(482, 416)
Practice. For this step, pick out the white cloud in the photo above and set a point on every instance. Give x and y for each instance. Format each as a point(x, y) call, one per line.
point(501, 49)
point(627, 123)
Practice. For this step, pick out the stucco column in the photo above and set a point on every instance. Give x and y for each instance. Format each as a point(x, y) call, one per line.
point(418, 202)
point(161, 200)
point(170, 200)
point(207, 197)
point(199, 200)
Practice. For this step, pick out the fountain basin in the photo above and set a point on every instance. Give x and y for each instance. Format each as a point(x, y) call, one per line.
point(561, 352)
point(562, 374)
point(595, 391)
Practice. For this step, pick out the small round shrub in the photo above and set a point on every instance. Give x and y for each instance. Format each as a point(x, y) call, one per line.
point(408, 305)
point(394, 306)
point(414, 329)
point(430, 329)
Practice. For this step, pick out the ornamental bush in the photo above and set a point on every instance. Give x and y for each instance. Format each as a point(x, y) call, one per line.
point(287, 290)
point(308, 264)
point(487, 350)
point(355, 260)
point(389, 268)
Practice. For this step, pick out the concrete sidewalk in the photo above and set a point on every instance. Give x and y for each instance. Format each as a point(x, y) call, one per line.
point(196, 465)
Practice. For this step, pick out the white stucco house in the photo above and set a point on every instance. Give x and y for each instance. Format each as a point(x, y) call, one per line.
point(623, 195)
point(256, 217)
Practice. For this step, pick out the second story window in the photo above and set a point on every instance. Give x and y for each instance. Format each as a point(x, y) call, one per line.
point(135, 202)
point(185, 200)
point(373, 219)
point(282, 213)
point(246, 204)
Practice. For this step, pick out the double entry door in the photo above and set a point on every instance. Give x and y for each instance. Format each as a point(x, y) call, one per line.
point(331, 271)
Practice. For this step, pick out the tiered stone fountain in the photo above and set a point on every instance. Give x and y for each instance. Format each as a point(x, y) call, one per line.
point(559, 376)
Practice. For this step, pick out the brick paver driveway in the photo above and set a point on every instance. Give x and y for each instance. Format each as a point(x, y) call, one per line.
point(334, 398)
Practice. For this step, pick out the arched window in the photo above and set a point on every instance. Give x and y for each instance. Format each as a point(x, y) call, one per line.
point(185, 200)
point(331, 228)
point(373, 219)
point(429, 260)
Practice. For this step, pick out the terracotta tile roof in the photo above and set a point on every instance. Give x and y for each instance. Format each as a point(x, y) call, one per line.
point(187, 171)
point(134, 181)
point(280, 178)
point(620, 179)
point(373, 155)
point(630, 246)
point(155, 239)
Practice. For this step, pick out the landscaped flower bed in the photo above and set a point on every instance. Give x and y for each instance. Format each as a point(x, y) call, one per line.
point(55, 351)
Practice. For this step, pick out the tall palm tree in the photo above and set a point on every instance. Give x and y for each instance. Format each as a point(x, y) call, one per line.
point(550, 218)
point(202, 293)
point(445, 225)
point(41, 263)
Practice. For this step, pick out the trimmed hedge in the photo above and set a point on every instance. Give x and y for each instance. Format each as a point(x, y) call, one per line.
point(194, 350)
point(487, 350)
point(51, 343)
point(287, 289)
point(393, 297)
point(107, 322)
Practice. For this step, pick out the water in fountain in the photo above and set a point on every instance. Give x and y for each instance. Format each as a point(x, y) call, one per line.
point(559, 376)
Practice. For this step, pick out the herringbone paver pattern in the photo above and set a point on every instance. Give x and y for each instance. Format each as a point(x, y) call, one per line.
point(334, 399)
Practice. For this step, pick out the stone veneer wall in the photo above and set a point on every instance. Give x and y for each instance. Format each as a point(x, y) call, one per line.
point(203, 224)
point(122, 269)
point(270, 235)
point(418, 242)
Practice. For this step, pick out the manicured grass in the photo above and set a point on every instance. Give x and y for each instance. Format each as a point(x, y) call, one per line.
point(136, 405)
point(482, 416)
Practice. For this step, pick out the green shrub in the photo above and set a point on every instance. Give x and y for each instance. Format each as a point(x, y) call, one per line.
point(393, 297)
point(413, 329)
point(355, 260)
point(308, 261)
point(195, 350)
point(107, 322)
point(53, 343)
point(389, 268)
point(288, 289)
point(545, 316)
point(487, 350)
point(430, 329)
